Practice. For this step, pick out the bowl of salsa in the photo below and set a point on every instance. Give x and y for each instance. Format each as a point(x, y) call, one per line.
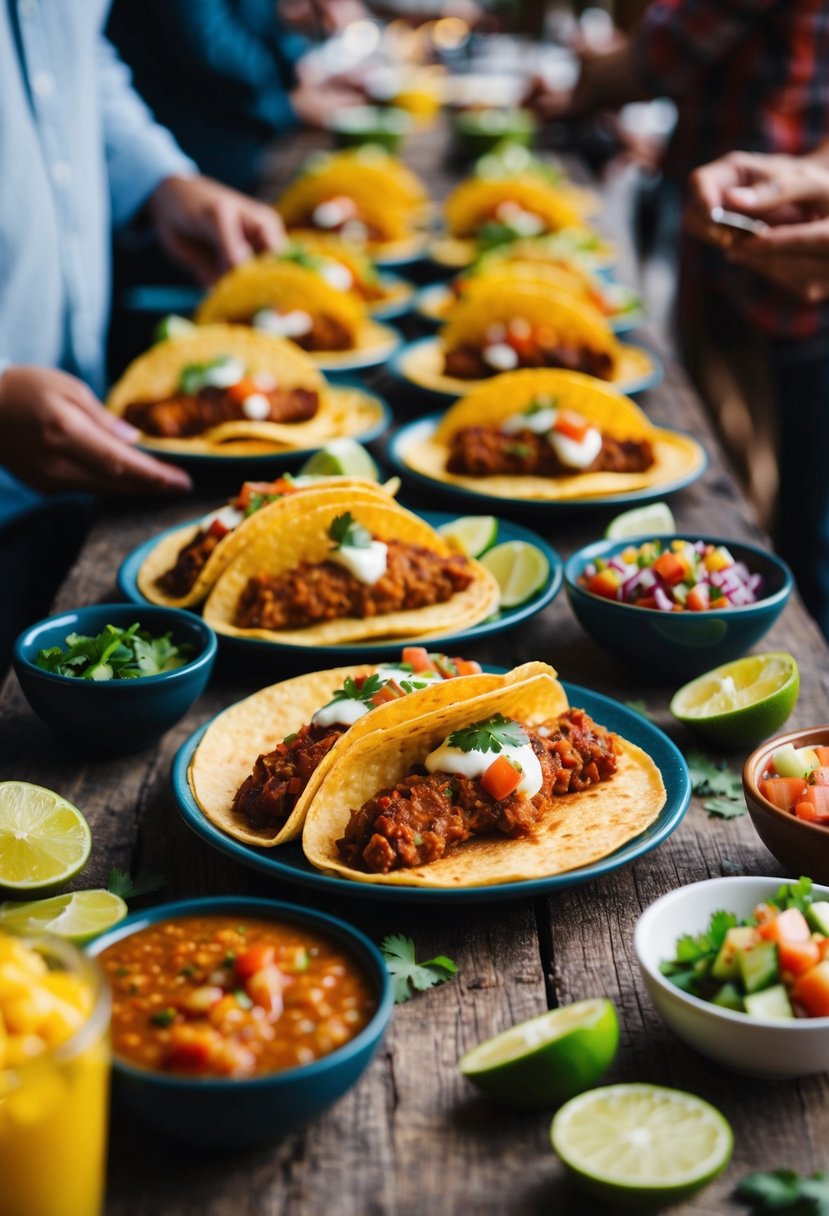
point(676, 605)
point(786, 787)
point(235, 1021)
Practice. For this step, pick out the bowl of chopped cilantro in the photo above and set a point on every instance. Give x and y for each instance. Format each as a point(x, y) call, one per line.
point(113, 677)
point(738, 969)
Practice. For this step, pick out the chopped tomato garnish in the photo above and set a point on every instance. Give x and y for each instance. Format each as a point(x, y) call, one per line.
point(797, 957)
point(720, 602)
point(242, 389)
point(822, 754)
point(418, 656)
point(790, 926)
point(811, 990)
point(572, 425)
point(605, 583)
point(669, 567)
point(249, 488)
point(819, 775)
point(217, 528)
point(645, 601)
point(697, 599)
point(467, 667)
point(805, 810)
point(783, 792)
point(254, 959)
point(501, 778)
point(818, 795)
point(390, 691)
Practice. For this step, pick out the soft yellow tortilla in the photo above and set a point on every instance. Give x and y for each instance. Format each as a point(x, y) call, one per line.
point(475, 200)
point(375, 343)
point(226, 755)
point(279, 514)
point(582, 827)
point(276, 551)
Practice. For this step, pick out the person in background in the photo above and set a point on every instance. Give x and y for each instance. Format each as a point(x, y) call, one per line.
point(227, 76)
point(744, 74)
point(79, 153)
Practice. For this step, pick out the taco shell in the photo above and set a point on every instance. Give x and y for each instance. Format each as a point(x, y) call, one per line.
point(676, 455)
point(275, 551)
point(582, 828)
point(472, 203)
point(236, 738)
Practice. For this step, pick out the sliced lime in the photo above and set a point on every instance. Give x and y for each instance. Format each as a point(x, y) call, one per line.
point(470, 534)
point(77, 916)
point(44, 840)
point(519, 568)
point(655, 519)
point(548, 1059)
point(173, 327)
point(341, 458)
point(641, 1145)
point(742, 702)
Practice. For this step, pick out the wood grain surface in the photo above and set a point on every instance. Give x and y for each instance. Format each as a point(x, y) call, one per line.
point(412, 1137)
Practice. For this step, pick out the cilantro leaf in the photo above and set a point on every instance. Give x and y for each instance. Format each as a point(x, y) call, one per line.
point(115, 654)
point(144, 883)
point(490, 735)
point(258, 500)
point(691, 967)
point(518, 449)
point(345, 530)
point(710, 778)
point(408, 976)
point(353, 691)
point(785, 1191)
point(723, 808)
point(794, 895)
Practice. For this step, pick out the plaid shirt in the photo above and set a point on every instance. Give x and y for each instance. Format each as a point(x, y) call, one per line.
point(751, 75)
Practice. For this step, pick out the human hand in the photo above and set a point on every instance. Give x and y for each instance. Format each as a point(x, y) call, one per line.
point(209, 228)
point(795, 256)
point(55, 435)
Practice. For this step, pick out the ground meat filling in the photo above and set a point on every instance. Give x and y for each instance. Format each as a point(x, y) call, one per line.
point(467, 362)
point(422, 817)
point(326, 333)
point(180, 579)
point(180, 416)
point(415, 577)
point(484, 451)
point(265, 799)
point(371, 231)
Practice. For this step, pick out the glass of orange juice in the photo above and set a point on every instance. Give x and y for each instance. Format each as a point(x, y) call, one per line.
point(54, 1078)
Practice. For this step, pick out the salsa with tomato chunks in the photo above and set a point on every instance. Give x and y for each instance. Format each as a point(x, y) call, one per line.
point(232, 997)
point(797, 780)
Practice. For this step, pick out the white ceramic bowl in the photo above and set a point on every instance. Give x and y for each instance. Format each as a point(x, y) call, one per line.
point(758, 1047)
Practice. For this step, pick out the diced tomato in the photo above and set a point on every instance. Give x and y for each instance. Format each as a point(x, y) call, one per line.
point(818, 795)
point(790, 926)
point(501, 778)
point(783, 792)
point(390, 691)
point(645, 601)
point(811, 990)
point(720, 602)
point(798, 957)
point(604, 583)
point(572, 425)
point(819, 775)
point(418, 656)
point(698, 598)
point(522, 342)
point(823, 947)
point(242, 389)
point(822, 754)
point(669, 567)
point(217, 528)
point(254, 959)
point(467, 667)
point(249, 488)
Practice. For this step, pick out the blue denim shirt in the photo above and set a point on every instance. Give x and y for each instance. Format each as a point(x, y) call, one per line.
point(79, 153)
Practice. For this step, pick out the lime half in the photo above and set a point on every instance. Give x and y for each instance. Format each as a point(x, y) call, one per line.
point(742, 702)
point(44, 840)
point(471, 535)
point(641, 1145)
point(655, 519)
point(341, 458)
point(78, 916)
point(520, 570)
point(546, 1060)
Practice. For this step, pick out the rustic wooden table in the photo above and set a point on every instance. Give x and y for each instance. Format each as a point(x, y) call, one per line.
point(412, 1137)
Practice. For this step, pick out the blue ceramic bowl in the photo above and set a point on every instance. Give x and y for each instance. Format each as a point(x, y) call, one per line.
point(674, 647)
point(226, 1113)
point(115, 716)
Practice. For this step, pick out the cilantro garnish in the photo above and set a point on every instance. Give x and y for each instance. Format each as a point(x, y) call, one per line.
point(720, 784)
point(299, 256)
point(354, 691)
point(723, 808)
point(691, 966)
point(521, 450)
point(786, 1192)
point(258, 500)
point(408, 976)
point(490, 735)
point(115, 654)
point(495, 233)
point(346, 531)
point(794, 895)
point(120, 883)
point(544, 401)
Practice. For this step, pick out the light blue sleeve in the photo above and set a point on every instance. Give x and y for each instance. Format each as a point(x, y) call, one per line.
point(140, 154)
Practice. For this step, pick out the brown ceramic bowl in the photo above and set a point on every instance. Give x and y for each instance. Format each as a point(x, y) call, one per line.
point(801, 847)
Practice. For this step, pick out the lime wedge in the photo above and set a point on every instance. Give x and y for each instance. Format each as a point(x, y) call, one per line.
point(641, 1145)
point(548, 1059)
point(520, 569)
point(470, 534)
point(655, 519)
point(172, 327)
point(742, 702)
point(77, 916)
point(44, 840)
point(341, 458)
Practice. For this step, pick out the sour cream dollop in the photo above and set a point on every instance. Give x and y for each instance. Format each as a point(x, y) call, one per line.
point(224, 374)
point(539, 422)
point(229, 517)
point(256, 407)
point(293, 324)
point(344, 712)
point(448, 759)
point(399, 675)
point(336, 275)
point(367, 564)
point(577, 453)
point(500, 356)
point(333, 212)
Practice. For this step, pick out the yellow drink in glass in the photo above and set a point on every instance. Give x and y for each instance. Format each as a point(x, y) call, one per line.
point(54, 1079)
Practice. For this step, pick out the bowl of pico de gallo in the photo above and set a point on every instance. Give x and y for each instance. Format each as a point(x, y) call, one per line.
point(786, 787)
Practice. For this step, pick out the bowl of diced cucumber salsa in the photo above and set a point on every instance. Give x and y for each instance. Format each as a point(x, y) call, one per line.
point(739, 969)
point(786, 787)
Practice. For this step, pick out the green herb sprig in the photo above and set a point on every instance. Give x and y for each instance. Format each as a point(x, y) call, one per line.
point(408, 976)
point(491, 735)
point(346, 531)
point(785, 1192)
point(114, 654)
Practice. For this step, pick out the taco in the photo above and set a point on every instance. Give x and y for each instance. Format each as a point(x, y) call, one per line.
point(347, 268)
point(228, 389)
point(288, 300)
point(186, 562)
point(508, 786)
point(256, 770)
point(550, 435)
point(342, 575)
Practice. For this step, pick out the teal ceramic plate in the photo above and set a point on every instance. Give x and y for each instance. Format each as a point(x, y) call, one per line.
point(288, 864)
point(318, 657)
